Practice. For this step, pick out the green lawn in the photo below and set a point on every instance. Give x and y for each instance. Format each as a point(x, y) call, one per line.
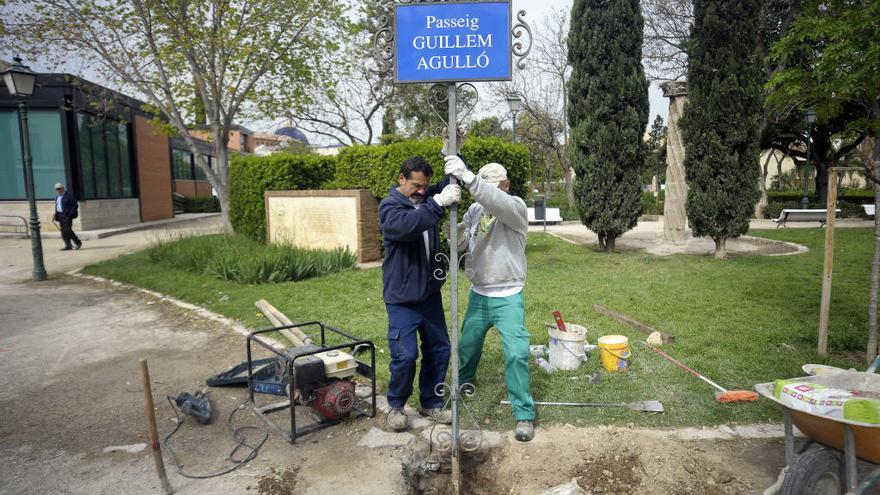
point(741, 321)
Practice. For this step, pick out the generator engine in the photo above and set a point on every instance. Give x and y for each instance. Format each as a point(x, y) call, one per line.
point(322, 381)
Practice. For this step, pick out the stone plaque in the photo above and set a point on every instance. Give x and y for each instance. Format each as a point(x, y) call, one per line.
point(325, 220)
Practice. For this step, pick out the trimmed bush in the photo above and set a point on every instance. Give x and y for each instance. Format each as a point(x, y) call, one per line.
point(376, 167)
point(652, 205)
point(251, 176)
point(849, 202)
point(240, 259)
point(201, 204)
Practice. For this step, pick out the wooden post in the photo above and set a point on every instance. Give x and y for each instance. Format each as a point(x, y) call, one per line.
point(830, 218)
point(151, 424)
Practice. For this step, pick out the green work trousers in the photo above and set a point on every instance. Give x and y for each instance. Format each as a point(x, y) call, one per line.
point(507, 314)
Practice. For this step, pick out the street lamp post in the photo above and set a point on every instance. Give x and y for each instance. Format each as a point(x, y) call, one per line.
point(20, 82)
point(514, 101)
point(810, 117)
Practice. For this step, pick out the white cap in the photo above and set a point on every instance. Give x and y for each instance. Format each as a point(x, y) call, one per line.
point(59, 185)
point(493, 172)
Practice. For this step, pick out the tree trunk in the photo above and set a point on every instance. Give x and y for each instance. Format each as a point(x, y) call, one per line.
point(820, 159)
point(764, 201)
point(569, 188)
point(221, 182)
point(720, 248)
point(608, 244)
point(873, 349)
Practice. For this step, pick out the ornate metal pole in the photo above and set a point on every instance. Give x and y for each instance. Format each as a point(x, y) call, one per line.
point(36, 240)
point(452, 131)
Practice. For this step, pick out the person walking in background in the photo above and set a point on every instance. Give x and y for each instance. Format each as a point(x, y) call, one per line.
point(408, 219)
point(66, 209)
point(494, 232)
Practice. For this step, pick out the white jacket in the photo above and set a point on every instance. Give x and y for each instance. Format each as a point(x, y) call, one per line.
point(498, 258)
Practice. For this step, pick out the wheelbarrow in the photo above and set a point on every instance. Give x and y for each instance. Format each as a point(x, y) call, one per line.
point(828, 463)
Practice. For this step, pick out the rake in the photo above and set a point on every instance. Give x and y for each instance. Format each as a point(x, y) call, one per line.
point(723, 395)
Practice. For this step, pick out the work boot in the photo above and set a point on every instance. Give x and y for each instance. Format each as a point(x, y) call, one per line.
point(525, 431)
point(78, 245)
point(396, 419)
point(442, 416)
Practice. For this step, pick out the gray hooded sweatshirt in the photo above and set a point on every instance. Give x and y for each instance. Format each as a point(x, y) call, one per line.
point(497, 254)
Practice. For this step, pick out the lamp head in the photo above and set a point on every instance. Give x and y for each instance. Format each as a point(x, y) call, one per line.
point(810, 116)
point(514, 101)
point(19, 78)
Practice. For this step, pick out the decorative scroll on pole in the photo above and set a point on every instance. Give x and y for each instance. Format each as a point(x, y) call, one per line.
point(449, 44)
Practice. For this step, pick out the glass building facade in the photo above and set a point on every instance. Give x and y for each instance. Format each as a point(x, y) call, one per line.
point(105, 157)
point(184, 167)
point(47, 154)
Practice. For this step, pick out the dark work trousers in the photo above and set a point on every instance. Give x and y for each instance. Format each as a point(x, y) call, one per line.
point(428, 321)
point(67, 233)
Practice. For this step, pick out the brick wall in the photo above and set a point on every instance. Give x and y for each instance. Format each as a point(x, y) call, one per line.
point(154, 171)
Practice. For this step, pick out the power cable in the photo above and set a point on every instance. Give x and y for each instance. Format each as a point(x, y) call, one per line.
point(237, 434)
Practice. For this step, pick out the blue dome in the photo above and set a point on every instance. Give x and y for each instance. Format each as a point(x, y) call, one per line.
point(293, 132)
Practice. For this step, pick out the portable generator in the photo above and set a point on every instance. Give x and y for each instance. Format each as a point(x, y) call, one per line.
point(319, 376)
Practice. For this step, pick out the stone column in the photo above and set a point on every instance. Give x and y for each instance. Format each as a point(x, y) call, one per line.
point(674, 216)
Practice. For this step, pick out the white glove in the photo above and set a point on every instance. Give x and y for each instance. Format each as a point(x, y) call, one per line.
point(455, 166)
point(449, 195)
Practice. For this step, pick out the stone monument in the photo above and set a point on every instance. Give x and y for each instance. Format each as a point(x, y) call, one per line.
point(675, 228)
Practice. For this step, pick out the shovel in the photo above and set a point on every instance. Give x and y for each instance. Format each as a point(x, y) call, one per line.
point(642, 405)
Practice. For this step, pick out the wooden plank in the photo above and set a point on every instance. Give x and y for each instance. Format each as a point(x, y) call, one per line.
point(825, 303)
point(626, 320)
point(272, 314)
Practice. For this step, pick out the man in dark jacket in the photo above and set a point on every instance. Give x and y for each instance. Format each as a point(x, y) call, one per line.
point(66, 209)
point(408, 218)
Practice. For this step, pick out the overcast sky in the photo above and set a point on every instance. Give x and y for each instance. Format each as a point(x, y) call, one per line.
point(536, 11)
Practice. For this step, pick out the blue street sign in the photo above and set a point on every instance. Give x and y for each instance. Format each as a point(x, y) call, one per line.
point(451, 41)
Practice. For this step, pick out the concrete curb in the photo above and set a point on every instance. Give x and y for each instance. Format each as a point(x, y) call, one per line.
point(798, 248)
point(202, 312)
point(125, 229)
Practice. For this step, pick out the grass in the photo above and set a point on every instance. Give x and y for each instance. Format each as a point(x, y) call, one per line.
point(741, 321)
point(243, 260)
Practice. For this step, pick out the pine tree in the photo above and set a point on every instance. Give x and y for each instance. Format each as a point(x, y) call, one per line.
point(608, 114)
point(721, 121)
point(655, 149)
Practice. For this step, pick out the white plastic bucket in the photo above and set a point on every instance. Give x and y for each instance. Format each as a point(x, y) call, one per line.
point(567, 348)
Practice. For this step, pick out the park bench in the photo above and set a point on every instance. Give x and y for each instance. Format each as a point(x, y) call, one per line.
point(869, 210)
point(801, 215)
point(14, 224)
point(552, 215)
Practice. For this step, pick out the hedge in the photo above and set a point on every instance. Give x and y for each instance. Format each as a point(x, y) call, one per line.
point(201, 204)
point(250, 176)
point(850, 202)
point(377, 167)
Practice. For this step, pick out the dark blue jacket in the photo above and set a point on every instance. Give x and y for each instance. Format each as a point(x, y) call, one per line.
point(407, 274)
point(69, 206)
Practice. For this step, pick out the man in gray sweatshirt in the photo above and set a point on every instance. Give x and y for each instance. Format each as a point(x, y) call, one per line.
point(494, 232)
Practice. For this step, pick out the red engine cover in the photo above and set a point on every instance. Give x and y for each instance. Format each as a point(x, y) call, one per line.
point(334, 400)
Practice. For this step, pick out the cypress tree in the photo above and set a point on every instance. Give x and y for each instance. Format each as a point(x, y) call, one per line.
point(608, 114)
point(721, 121)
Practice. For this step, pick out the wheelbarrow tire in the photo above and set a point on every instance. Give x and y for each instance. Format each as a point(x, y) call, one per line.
point(818, 471)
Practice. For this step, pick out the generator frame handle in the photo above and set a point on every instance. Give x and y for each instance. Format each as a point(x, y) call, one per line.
point(362, 369)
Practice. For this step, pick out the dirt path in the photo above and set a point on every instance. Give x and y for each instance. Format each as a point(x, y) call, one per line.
point(69, 351)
